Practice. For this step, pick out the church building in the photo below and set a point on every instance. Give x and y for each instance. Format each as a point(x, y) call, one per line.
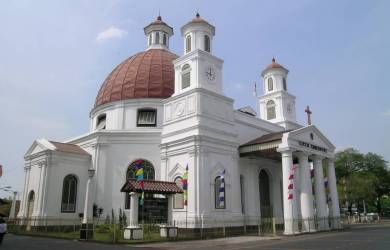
point(168, 113)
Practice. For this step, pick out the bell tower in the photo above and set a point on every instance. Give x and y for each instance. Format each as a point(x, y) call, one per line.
point(158, 34)
point(198, 67)
point(277, 105)
point(198, 127)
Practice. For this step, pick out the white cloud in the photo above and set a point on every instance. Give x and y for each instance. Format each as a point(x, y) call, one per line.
point(110, 33)
point(387, 113)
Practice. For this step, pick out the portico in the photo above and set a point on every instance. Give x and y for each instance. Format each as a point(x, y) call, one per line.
point(302, 152)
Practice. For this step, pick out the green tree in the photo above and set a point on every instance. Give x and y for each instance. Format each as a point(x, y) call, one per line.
point(362, 177)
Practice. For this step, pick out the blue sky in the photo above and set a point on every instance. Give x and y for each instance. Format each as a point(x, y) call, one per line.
point(54, 55)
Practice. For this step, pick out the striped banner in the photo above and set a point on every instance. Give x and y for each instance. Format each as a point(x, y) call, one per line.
point(222, 190)
point(185, 186)
point(140, 178)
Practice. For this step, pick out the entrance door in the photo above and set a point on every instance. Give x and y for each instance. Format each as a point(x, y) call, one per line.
point(30, 208)
point(154, 210)
point(265, 195)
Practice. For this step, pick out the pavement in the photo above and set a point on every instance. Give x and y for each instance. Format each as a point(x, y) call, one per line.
point(371, 236)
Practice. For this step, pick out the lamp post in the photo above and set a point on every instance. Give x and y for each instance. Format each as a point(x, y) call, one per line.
point(85, 232)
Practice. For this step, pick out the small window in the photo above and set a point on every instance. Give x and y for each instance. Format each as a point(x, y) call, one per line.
point(150, 39)
point(185, 76)
point(271, 112)
point(157, 38)
point(146, 118)
point(188, 44)
point(270, 84)
point(284, 84)
point(101, 122)
point(220, 194)
point(207, 43)
point(178, 199)
point(69, 194)
point(165, 39)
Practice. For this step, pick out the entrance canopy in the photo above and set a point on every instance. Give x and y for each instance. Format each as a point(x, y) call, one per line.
point(151, 187)
point(264, 146)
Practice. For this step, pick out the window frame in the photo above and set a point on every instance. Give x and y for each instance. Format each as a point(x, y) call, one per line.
point(176, 196)
point(165, 39)
point(188, 43)
point(207, 44)
point(157, 38)
point(185, 72)
point(139, 111)
point(270, 105)
point(270, 84)
point(69, 177)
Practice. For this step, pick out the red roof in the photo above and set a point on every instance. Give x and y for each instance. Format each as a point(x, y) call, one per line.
point(148, 74)
point(69, 148)
point(198, 19)
point(275, 65)
point(159, 21)
point(155, 187)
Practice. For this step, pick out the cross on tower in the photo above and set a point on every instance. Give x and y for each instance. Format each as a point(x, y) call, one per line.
point(308, 111)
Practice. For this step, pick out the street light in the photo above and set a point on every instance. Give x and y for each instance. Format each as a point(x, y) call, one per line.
point(85, 232)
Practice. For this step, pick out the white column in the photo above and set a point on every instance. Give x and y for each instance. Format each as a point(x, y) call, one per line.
point(13, 207)
point(133, 220)
point(306, 194)
point(322, 216)
point(334, 208)
point(289, 206)
point(85, 215)
point(170, 210)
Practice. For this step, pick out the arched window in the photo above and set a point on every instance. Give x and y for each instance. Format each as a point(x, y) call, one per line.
point(165, 39)
point(207, 43)
point(219, 192)
point(271, 111)
point(157, 38)
point(69, 194)
point(284, 84)
point(188, 44)
point(270, 84)
point(149, 174)
point(265, 195)
point(150, 39)
point(101, 122)
point(185, 76)
point(178, 199)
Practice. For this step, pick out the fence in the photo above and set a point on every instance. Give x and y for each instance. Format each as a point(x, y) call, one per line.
point(113, 231)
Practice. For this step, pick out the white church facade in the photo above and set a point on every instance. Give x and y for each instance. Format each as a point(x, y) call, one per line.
point(170, 112)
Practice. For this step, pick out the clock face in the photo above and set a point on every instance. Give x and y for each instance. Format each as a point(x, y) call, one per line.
point(210, 74)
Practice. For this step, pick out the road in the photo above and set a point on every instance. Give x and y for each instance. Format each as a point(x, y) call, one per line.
point(359, 237)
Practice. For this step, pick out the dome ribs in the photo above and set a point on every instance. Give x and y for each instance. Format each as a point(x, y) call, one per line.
point(148, 74)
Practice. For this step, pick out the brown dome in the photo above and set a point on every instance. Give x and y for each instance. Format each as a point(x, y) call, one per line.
point(148, 74)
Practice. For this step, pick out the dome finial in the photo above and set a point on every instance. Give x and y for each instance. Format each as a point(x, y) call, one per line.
point(159, 16)
point(197, 14)
point(273, 59)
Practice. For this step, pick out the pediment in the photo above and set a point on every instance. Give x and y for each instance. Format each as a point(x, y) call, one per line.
point(38, 146)
point(311, 139)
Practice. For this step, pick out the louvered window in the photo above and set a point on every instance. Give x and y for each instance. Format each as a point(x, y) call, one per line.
point(146, 118)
